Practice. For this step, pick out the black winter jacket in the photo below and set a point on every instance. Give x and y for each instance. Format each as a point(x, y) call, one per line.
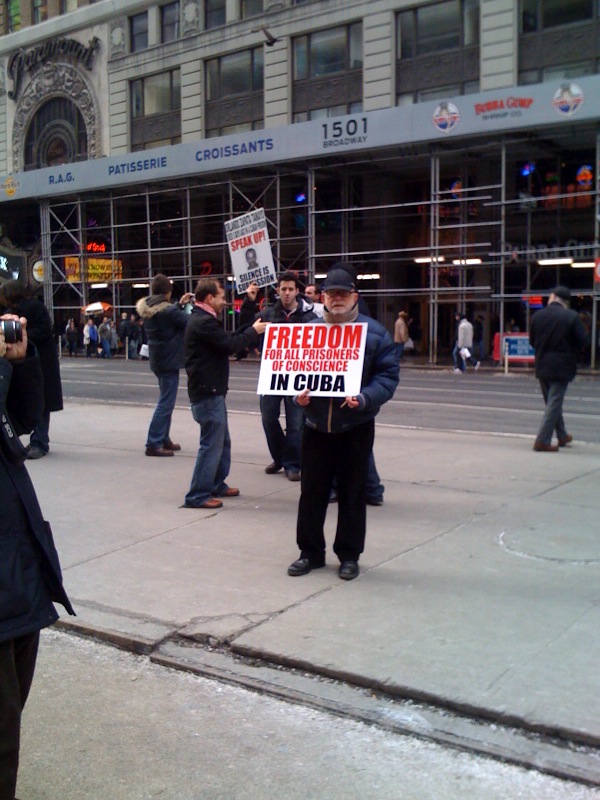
point(164, 324)
point(557, 335)
point(30, 575)
point(207, 350)
point(378, 384)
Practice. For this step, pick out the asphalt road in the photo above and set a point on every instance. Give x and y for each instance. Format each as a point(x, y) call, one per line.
point(487, 401)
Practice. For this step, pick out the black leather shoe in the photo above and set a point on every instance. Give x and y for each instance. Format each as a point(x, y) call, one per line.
point(303, 566)
point(273, 468)
point(374, 501)
point(348, 570)
point(292, 475)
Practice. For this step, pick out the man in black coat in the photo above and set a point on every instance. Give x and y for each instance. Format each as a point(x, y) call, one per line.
point(207, 350)
point(30, 575)
point(557, 336)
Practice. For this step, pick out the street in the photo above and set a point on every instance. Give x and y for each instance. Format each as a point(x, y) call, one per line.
point(486, 401)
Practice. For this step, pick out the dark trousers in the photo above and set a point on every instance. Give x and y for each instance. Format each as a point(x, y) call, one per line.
point(345, 457)
point(554, 394)
point(17, 665)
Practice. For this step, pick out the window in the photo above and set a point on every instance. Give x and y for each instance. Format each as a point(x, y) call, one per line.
point(13, 15)
point(56, 135)
point(327, 66)
point(153, 101)
point(327, 52)
point(251, 8)
point(214, 13)
point(39, 11)
point(169, 22)
point(540, 14)
point(138, 32)
point(234, 91)
point(67, 5)
point(450, 27)
point(443, 26)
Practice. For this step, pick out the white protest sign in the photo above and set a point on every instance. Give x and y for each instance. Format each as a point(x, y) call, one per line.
point(250, 250)
point(323, 358)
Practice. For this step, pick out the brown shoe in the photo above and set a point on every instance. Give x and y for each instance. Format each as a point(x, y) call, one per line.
point(172, 446)
point(564, 442)
point(540, 447)
point(214, 502)
point(231, 492)
point(162, 452)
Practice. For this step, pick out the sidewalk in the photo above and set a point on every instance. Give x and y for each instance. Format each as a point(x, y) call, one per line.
point(480, 583)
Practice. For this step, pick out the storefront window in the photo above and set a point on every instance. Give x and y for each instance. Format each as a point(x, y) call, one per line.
point(169, 22)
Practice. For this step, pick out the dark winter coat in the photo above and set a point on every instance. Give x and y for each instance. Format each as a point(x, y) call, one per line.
point(557, 336)
point(207, 350)
point(39, 333)
point(30, 575)
point(378, 384)
point(164, 324)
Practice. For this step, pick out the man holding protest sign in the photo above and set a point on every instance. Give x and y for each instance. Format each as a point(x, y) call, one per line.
point(283, 446)
point(338, 437)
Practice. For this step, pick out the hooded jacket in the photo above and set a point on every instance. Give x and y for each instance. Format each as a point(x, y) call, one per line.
point(165, 324)
point(378, 384)
point(30, 574)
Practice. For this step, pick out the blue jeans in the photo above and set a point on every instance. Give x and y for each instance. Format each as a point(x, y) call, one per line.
point(284, 447)
point(105, 348)
point(554, 394)
point(132, 348)
point(214, 454)
point(458, 362)
point(158, 433)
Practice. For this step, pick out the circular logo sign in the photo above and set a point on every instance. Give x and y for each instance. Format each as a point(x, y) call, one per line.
point(568, 99)
point(585, 176)
point(446, 117)
point(38, 271)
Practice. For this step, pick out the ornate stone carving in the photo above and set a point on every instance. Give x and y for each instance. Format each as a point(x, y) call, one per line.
point(191, 17)
point(117, 38)
point(56, 80)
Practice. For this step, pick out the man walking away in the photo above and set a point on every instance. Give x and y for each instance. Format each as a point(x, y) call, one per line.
point(557, 336)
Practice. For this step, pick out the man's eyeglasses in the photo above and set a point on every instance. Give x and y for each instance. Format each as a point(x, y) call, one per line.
point(339, 292)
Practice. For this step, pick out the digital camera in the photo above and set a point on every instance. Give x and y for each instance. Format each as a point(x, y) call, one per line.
point(12, 330)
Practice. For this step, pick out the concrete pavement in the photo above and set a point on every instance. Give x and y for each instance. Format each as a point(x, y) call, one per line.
point(479, 596)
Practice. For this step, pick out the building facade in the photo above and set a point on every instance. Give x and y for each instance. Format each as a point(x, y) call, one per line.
point(448, 149)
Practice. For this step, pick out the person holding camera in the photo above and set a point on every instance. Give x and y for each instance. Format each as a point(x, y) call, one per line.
point(30, 575)
point(19, 300)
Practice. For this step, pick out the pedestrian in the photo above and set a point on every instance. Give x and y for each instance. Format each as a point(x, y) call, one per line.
point(284, 446)
point(164, 323)
point(30, 575)
point(207, 350)
point(401, 334)
point(122, 331)
point(90, 338)
point(104, 333)
point(313, 295)
point(337, 438)
point(114, 337)
point(133, 337)
point(72, 337)
point(17, 298)
point(464, 344)
point(557, 336)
